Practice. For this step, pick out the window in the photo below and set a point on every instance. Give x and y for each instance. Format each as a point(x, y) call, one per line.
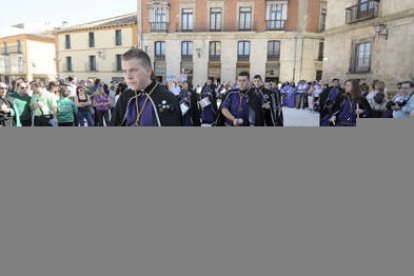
point(276, 15)
point(186, 50)
point(5, 49)
point(91, 40)
point(215, 19)
point(19, 47)
point(118, 37)
point(92, 63)
point(244, 51)
point(362, 58)
point(69, 64)
point(67, 42)
point(187, 23)
point(322, 23)
point(160, 50)
point(366, 5)
point(319, 75)
point(321, 50)
point(119, 63)
point(20, 63)
point(6, 63)
point(158, 19)
point(245, 19)
point(214, 51)
point(273, 50)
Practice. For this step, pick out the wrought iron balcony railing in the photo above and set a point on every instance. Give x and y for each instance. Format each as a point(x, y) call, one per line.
point(362, 11)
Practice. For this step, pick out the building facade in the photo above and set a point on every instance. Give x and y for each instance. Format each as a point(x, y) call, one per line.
point(193, 39)
point(94, 50)
point(27, 56)
point(368, 40)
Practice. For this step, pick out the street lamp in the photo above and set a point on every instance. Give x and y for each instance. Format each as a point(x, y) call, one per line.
point(381, 30)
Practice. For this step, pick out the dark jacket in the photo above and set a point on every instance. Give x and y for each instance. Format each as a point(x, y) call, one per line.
point(195, 112)
point(274, 116)
point(212, 97)
point(324, 111)
point(171, 117)
point(7, 119)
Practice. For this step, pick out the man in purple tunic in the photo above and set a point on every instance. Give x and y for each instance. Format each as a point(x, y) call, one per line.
point(145, 103)
point(209, 113)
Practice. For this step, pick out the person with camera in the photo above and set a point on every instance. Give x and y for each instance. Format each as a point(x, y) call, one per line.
point(403, 103)
point(377, 99)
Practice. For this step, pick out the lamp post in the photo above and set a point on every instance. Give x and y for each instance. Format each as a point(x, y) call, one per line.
point(381, 30)
point(139, 22)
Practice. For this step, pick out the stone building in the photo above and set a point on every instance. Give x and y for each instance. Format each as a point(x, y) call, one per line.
point(27, 56)
point(368, 40)
point(194, 39)
point(94, 50)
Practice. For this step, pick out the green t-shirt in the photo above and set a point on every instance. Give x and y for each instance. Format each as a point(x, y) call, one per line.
point(66, 110)
point(47, 99)
point(21, 106)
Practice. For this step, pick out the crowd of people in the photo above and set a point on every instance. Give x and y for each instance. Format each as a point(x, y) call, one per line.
point(142, 100)
point(64, 103)
point(342, 106)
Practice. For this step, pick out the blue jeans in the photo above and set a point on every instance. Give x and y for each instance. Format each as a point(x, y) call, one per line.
point(301, 100)
point(82, 115)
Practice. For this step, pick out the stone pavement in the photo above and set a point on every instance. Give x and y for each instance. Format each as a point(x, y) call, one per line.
point(299, 117)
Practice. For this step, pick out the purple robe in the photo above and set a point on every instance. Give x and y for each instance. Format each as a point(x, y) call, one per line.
point(290, 99)
point(148, 116)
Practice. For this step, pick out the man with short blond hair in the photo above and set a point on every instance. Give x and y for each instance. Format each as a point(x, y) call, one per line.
point(145, 103)
point(43, 105)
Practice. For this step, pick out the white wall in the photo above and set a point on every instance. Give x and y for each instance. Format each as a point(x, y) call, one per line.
point(41, 58)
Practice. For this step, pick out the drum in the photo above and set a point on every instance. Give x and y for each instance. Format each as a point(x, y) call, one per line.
point(205, 102)
point(185, 107)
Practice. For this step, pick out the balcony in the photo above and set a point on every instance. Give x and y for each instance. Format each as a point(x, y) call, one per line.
point(243, 58)
point(159, 27)
point(273, 57)
point(159, 57)
point(253, 26)
point(196, 28)
point(214, 58)
point(275, 25)
point(362, 11)
point(186, 57)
